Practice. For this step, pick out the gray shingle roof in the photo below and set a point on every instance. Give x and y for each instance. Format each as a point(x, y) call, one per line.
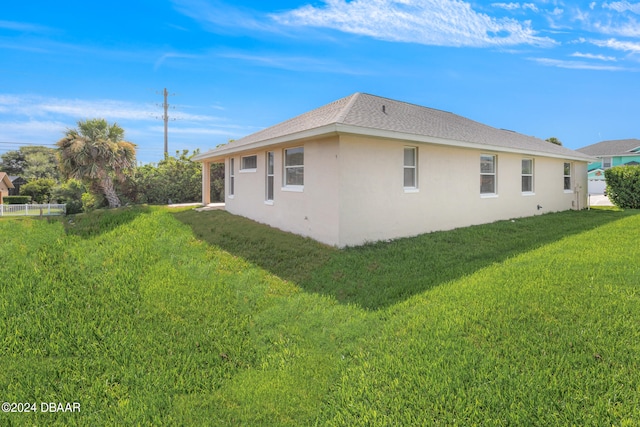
point(617, 147)
point(364, 113)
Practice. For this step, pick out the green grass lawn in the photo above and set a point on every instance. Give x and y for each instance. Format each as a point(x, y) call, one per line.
point(151, 316)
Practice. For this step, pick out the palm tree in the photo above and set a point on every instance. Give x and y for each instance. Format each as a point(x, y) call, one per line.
point(96, 153)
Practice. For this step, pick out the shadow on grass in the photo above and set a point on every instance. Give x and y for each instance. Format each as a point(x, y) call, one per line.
point(377, 275)
point(100, 221)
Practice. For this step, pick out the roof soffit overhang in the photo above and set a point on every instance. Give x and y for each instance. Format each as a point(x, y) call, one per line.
point(224, 151)
point(425, 139)
point(339, 128)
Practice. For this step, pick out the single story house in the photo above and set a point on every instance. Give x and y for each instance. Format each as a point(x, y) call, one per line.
point(607, 155)
point(366, 168)
point(5, 185)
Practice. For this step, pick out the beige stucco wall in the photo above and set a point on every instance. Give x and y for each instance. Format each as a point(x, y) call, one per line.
point(312, 212)
point(376, 207)
point(353, 190)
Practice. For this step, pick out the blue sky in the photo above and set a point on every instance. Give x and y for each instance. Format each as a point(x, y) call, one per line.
point(542, 68)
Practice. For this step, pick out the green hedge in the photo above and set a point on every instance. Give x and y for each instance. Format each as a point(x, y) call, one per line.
point(16, 200)
point(623, 186)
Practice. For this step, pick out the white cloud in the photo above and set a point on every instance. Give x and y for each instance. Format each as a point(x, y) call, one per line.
point(514, 6)
point(430, 22)
point(41, 132)
point(295, 63)
point(626, 46)
point(220, 17)
point(507, 6)
point(592, 56)
point(171, 55)
point(630, 28)
point(622, 6)
point(577, 65)
point(77, 109)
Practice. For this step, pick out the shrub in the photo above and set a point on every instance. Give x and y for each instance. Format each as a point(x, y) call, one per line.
point(70, 193)
point(173, 180)
point(16, 200)
point(623, 186)
point(39, 189)
point(88, 202)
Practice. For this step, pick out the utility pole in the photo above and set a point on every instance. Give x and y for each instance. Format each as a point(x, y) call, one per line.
point(165, 118)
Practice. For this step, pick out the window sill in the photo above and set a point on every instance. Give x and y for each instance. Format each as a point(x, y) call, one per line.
point(528, 193)
point(247, 170)
point(489, 196)
point(231, 196)
point(411, 190)
point(268, 202)
point(293, 188)
point(568, 191)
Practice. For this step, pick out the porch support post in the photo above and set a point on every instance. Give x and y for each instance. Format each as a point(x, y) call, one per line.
point(206, 183)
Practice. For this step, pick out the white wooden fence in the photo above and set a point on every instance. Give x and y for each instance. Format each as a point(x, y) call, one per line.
point(32, 210)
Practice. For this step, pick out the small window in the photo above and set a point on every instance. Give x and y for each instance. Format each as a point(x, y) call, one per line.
point(269, 177)
point(527, 175)
point(410, 167)
point(249, 163)
point(232, 176)
point(567, 176)
point(294, 167)
point(487, 174)
point(606, 162)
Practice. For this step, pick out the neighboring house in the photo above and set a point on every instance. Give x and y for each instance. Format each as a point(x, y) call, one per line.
point(5, 185)
point(17, 182)
point(609, 154)
point(366, 168)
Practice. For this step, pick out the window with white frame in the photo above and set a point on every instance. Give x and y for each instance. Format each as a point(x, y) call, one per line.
point(488, 174)
point(294, 167)
point(410, 167)
point(249, 163)
point(269, 176)
point(567, 176)
point(232, 176)
point(527, 175)
point(606, 162)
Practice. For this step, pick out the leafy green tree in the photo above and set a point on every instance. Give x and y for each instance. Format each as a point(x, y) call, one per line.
point(30, 162)
point(13, 162)
point(70, 193)
point(554, 140)
point(41, 164)
point(97, 153)
point(39, 189)
point(175, 179)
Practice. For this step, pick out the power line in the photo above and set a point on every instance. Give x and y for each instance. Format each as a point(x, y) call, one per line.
point(25, 143)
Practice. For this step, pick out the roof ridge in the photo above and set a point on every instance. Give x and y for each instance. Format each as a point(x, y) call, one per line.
point(347, 108)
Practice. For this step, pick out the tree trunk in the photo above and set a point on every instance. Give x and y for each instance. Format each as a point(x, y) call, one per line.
point(110, 192)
